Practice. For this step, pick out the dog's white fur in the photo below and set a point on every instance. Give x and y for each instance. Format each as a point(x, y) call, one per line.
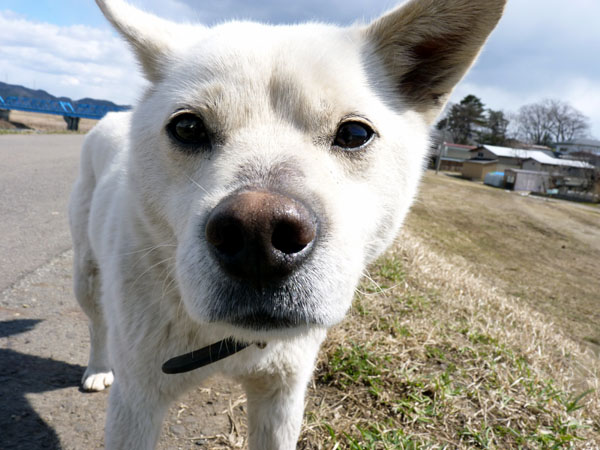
point(277, 95)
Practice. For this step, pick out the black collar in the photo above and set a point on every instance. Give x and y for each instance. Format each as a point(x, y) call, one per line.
point(204, 356)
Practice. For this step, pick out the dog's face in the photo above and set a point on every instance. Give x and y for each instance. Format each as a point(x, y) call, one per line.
point(283, 159)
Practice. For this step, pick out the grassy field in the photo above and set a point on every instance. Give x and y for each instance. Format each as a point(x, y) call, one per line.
point(544, 252)
point(476, 331)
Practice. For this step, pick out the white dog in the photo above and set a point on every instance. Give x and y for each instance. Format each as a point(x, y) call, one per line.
point(241, 200)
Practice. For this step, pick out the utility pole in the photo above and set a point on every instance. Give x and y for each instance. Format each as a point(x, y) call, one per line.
point(442, 150)
point(442, 147)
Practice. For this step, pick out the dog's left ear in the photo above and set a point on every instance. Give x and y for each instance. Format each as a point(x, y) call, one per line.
point(151, 37)
point(427, 46)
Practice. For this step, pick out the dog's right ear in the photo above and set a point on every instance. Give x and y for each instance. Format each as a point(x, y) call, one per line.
point(427, 46)
point(150, 37)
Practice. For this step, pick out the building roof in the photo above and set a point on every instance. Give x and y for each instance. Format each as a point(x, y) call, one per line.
point(528, 172)
point(536, 155)
point(508, 152)
point(445, 158)
point(542, 158)
point(481, 161)
point(461, 146)
point(584, 142)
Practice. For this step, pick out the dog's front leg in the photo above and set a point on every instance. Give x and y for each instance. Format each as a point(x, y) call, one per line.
point(275, 410)
point(134, 419)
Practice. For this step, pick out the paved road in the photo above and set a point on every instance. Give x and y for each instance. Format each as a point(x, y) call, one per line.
point(36, 175)
point(44, 340)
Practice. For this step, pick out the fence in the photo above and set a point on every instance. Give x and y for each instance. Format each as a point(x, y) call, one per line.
point(71, 112)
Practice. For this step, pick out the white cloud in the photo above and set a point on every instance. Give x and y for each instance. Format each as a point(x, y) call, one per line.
point(70, 81)
point(76, 61)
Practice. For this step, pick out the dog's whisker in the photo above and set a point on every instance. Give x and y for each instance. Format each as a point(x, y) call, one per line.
point(171, 258)
point(166, 286)
point(198, 185)
point(147, 249)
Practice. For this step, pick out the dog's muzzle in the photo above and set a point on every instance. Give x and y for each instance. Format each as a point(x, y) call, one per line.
point(260, 237)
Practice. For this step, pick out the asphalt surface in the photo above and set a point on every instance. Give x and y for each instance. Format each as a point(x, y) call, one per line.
point(36, 175)
point(44, 341)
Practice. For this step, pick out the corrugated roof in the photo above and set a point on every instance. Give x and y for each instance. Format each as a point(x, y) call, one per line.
point(529, 172)
point(536, 155)
point(588, 142)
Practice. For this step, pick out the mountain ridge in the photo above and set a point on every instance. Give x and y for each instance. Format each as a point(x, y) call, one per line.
point(16, 90)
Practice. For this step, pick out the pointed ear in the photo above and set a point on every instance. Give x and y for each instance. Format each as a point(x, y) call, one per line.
point(427, 46)
point(150, 37)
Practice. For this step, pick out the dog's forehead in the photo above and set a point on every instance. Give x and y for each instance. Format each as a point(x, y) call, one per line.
point(312, 67)
point(309, 41)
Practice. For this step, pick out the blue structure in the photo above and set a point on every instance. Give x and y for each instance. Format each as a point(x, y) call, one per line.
point(71, 113)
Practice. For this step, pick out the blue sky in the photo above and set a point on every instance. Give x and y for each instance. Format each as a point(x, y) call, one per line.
point(541, 49)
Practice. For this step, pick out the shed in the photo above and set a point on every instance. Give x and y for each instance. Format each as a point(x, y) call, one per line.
point(527, 180)
point(477, 169)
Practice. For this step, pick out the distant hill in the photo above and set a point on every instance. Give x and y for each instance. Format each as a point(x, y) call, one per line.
point(13, 90)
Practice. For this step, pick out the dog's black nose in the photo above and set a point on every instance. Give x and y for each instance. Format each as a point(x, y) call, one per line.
point(260, 236)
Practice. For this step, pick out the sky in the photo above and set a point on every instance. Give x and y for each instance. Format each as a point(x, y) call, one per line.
point(541, 48)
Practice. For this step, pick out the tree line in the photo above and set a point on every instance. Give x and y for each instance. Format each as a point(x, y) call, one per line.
point(542, 123)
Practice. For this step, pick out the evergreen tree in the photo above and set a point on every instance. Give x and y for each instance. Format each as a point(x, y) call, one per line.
point(464, 120)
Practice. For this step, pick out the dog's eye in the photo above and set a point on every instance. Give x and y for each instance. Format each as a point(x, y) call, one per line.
point(189, 129)
point(353, 135)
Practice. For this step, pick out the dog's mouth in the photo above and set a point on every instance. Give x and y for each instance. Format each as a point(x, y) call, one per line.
point(206, 355)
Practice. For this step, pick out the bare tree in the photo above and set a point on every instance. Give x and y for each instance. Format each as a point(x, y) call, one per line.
point(566, 122)
point(551, 121)
point(533, 124)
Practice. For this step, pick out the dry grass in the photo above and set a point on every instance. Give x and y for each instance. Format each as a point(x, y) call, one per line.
point(48, 123)
point(437, 354)
point(544, 252)
point(442, 360)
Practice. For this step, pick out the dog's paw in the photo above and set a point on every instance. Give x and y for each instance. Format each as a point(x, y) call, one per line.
point(96, 381)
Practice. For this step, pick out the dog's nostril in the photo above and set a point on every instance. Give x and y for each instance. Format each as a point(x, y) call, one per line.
point(291, 237)
point(232, 240)
point(225, 236)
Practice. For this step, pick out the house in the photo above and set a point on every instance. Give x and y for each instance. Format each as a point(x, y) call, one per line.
point(457, 151)
point(565, 167)
point(536, 160)
point(508, 158)
point(452, 156)
point(589, 146)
